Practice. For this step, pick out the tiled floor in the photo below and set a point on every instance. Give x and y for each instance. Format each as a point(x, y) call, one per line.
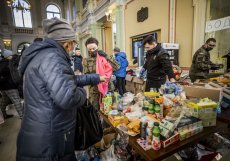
point(8, 136)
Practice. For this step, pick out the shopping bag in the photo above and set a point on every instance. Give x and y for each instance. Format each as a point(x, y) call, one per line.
point(10, 110)
point(88, 127)
point(109, 154)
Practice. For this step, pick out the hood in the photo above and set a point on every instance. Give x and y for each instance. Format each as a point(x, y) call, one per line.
point(34, 49)
point(121, 54)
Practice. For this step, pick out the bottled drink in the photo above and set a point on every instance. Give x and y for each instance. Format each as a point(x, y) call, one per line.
point(157, 111)
point(143, 126)
point(156, 143)
point(149, 133)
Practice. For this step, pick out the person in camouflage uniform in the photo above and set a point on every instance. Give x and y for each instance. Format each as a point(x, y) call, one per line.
point(201, 63)
point(90, 67)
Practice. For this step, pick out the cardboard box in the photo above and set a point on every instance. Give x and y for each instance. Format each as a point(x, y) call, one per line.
point(166, 142)
point(207, 113)
point(188, 133)
point(130, 85)
point(202, 92)
point(139, 85)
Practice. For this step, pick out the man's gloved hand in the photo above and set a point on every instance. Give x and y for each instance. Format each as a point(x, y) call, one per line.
point(142, 71)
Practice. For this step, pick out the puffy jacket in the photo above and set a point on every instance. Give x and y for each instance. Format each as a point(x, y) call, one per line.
point(51, 96)
point(158, 65)
point(6, 81)
point(122, 60)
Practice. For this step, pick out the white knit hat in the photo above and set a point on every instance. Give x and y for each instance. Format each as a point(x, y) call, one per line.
point(6, 53)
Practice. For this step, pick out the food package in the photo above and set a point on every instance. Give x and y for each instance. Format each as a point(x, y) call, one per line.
point(134, 115)
point(205, 109)
point(133, 128)
point(116, 120)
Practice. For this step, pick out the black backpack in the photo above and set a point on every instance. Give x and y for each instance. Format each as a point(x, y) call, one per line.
point(3, 74)
point(13, 66)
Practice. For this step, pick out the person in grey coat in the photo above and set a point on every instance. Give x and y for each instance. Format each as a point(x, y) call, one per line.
point(51, 96)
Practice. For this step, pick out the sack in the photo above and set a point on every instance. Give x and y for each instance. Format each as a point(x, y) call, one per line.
point(109, 154)
point(115, 65)
point(88, 127)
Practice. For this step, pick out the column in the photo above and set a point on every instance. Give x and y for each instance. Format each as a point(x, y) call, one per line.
point(199, 24)
point(172, 22)
point(120, 32)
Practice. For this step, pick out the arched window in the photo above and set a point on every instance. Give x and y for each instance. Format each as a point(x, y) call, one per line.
point(52, 11)
point(21, 13)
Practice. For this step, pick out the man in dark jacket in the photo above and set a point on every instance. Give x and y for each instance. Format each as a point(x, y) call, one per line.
point(9, 89)
point(201, 63)
point(77, 60)
point(51, 95)
point(121, 72)
point(157, 64)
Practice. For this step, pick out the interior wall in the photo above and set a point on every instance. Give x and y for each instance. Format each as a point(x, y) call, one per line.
point(184, 31)
point(108, 38)
point(157, 19)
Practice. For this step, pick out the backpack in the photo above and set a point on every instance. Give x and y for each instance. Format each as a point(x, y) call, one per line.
point(3, 76)
point(13, 66)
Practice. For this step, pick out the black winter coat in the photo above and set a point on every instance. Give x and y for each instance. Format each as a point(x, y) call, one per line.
point(51, 96)
point(77, 60)
point(158, 65)
point(6, 82)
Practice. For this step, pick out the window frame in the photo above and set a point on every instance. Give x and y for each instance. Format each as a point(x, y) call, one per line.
point(23, 19)
point(52, 12)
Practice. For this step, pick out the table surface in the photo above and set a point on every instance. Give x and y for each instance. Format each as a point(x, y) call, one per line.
point(224, 116)
point(163, 153)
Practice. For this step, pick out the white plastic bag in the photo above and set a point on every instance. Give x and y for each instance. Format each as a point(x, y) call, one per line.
point(109, 155)
point(10, 110)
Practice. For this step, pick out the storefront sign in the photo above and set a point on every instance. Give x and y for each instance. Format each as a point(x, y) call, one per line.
point(142, 14)
point(218, 24)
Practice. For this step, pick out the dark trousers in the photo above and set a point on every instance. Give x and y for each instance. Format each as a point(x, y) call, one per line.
point(121, 85)
point(154, 84)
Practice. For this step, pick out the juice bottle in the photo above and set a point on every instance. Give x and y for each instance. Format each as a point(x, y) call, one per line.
point(156, 143)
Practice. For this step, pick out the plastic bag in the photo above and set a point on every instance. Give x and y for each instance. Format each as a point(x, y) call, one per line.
point(82, 155)
point(167, 102)
point(109, 155)
point(127, 98)
point(10, 110)
point(134, 115)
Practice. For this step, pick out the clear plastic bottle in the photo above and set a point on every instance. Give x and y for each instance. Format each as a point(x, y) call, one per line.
point(149, 133)
point(156, 143)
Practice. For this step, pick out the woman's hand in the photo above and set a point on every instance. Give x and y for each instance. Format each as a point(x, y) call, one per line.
point(103, 79)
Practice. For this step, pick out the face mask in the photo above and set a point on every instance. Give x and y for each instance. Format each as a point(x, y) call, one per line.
point(208, 49)
point(93, 53)
point(151, 50)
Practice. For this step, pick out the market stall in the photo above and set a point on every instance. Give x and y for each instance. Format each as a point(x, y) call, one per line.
point(160, 124)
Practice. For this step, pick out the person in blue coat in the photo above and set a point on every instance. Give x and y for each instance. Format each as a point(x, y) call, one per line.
point(52, 93)
point(121, 72)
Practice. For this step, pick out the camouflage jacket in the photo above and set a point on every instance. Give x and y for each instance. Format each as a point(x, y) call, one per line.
point(201, 64)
